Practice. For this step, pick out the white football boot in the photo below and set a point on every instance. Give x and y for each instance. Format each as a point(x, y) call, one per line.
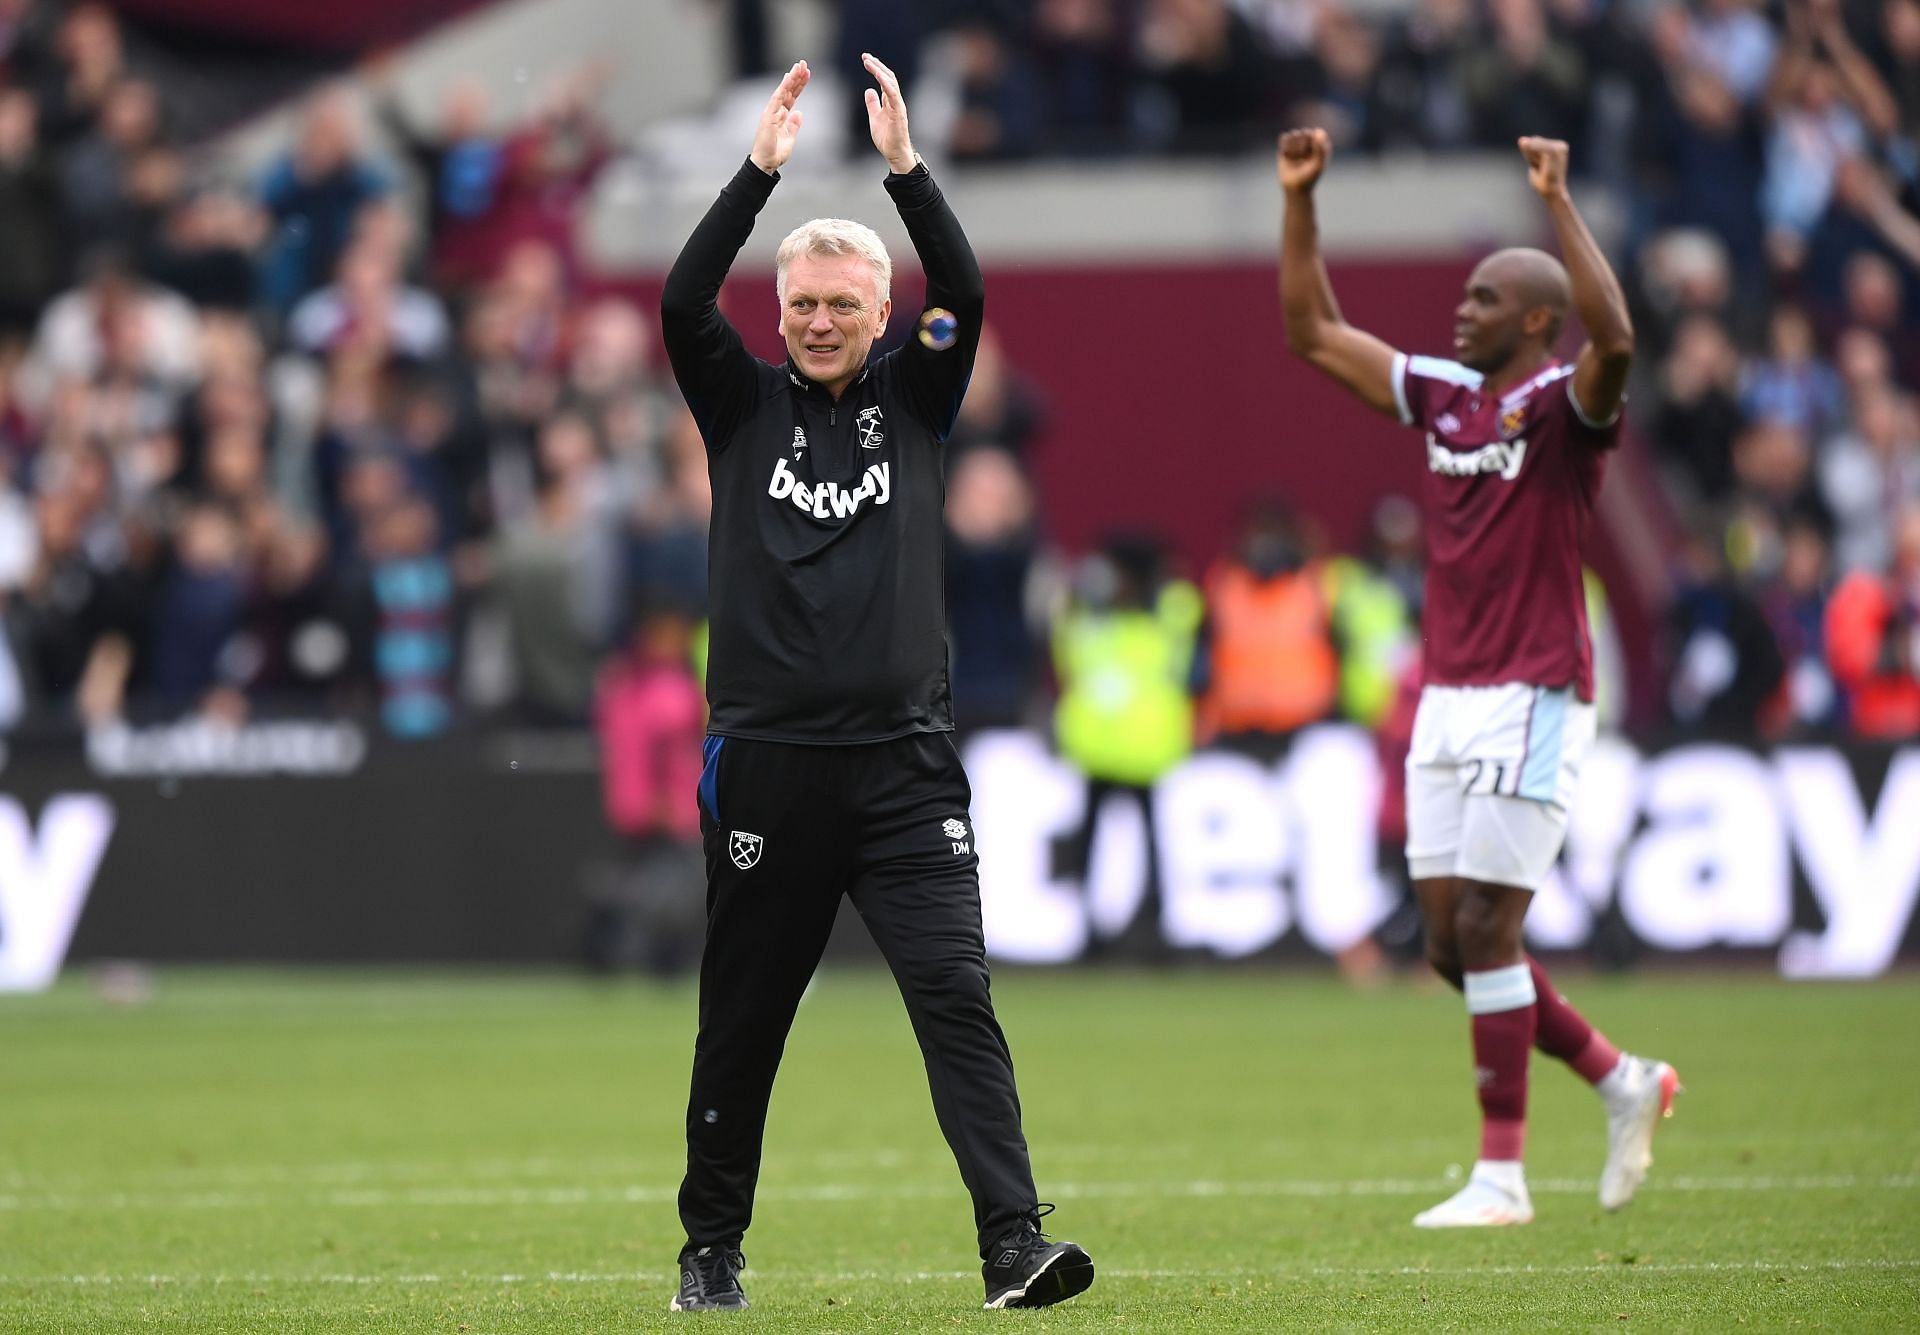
point(1638, 1093)
point(1495, 1194)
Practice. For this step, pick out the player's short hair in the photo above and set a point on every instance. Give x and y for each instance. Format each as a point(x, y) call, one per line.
point(836, 236)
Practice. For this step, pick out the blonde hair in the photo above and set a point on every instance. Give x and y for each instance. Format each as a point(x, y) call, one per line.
point(836, 236)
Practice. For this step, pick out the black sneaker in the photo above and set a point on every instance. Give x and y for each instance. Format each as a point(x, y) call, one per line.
point(1023, 1269)
point(709, 1280)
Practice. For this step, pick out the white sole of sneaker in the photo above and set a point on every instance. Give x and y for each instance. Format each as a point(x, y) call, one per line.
point(1479, 1219)
point(1060, 1278)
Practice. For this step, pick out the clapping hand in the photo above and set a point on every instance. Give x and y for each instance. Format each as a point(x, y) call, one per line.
point(780, 122)
point(887, 117)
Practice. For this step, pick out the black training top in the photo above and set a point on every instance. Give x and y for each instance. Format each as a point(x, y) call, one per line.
point(829, 611)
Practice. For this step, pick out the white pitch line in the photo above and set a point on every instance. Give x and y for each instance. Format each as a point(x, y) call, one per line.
point(376, 1198)
point(1279, 1274)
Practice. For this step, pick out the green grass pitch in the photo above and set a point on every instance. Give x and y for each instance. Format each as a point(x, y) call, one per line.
point(1240, 1151)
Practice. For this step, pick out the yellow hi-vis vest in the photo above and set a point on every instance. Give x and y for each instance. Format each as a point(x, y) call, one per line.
point(1125, 714)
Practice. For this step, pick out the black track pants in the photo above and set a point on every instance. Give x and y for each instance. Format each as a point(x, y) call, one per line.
point(789, 829)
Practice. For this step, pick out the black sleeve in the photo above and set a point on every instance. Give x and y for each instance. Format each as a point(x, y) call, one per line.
point(393, 119)
point(935, 365)
point(713, 367)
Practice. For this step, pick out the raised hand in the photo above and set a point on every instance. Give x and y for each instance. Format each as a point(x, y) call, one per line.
point(887, 117)
point(1546, 165)
point(780, 122)
point(1303, 155)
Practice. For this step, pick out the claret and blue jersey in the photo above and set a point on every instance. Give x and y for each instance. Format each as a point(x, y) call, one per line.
point(1509, 493)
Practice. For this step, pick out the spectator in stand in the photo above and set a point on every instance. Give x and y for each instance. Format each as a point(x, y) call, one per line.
point(33, 244)
point(19, 540)
point(1083, 52)
point(1869, 473)
point(229, 397)
point(532, 289)
point(541, 576)
point(112, 322)
point(205, 249)
point(650, 714)
point(1794, 600)
point(992, 556)
point(999, 117)
point(888, 29)
point(1867, 293)
point(442, 466)
point(313, 194)
point(1861, 359)
point(1347, 104)
point(1417, 99)
point(1873, 638)
point(296, 626)
point(405, 620)
point(362, 479)
point(1705, 123)
point(666, 535)
point(610, 382)
point(18, 544)
point(367, 294)
point(1793, 383)
point(747, 33)
point(460, 162)
point(90, 60)
point(1211, 76)
point(234, 467)
point(26, 40)
point(1696, 414)
point(1723, 662)
point(1827, 105)
point(546, 170)
point(1123, 653)
point(502, 396)
point(97, 171)
point(1002, 409)
point(1773, 469)
point(572, 452)
point(1684, 272)
point(1733, 41)
point(1864, 191)
point(198, 613)
point(1898, 60)
point(1527, 81)
point(76, 619)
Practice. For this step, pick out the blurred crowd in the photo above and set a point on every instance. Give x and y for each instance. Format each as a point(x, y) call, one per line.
point(1763, 161)
point(359, 434)
point(354, 434)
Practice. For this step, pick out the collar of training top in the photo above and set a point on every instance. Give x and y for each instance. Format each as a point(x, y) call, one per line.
point(809, 386)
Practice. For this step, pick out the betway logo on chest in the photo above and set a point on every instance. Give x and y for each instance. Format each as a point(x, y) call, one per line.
point(1503, 457)
point(830, 500)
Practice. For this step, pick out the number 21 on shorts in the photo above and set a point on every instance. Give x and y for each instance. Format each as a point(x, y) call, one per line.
point(1490, 778)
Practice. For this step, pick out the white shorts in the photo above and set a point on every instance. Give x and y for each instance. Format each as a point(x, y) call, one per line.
point(1489, 776)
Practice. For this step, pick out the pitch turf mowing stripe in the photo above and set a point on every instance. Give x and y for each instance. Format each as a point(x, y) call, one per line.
point(944, 1276)
point(860, 1192)
point(568, 1170)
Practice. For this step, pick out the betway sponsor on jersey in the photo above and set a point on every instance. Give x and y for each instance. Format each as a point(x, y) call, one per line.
point(830, 500)
point(1502, 457)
